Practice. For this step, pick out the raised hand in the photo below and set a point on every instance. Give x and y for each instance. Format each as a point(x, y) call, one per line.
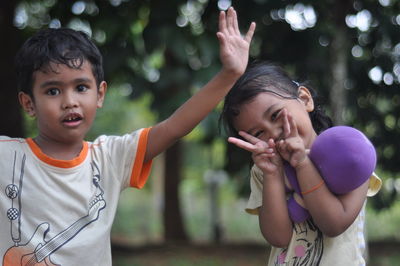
point(234, 49)
point(291, 148)
point(263, 153)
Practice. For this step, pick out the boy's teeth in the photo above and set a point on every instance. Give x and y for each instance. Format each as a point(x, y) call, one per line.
point(71, 118)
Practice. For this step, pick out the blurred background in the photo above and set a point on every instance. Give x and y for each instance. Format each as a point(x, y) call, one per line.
point(158, 53)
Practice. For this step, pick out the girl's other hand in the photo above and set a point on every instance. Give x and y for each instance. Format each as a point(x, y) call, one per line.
point(291, 148)
point(263, 153)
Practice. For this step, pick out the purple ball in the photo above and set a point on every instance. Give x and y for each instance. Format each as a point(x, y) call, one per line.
point(297, 213)
point(344, 157)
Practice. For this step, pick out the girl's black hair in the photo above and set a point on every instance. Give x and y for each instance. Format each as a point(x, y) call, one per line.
point(60, 46)
point(261, 77)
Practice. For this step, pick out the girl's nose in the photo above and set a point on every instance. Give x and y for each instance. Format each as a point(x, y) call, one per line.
point(276, 133)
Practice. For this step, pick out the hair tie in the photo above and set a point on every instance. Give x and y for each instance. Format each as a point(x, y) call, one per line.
point(295, 82)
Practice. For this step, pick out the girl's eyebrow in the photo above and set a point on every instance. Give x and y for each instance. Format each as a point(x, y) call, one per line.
point(269, 109)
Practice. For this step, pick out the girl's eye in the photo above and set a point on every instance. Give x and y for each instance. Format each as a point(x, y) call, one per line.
point(82, 88)
point(53, 92)
point(258, 134)
point(275, 115)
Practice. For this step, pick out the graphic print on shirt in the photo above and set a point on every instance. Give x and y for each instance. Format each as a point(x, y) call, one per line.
point(308, 246)
point(37, 251)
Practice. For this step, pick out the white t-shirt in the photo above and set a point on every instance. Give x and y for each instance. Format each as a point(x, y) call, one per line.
point(308, 245)
point(61, 212)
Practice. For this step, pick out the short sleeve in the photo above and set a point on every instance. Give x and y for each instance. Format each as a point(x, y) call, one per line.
point(375, 184)
point(125, 155)
point(256, 186)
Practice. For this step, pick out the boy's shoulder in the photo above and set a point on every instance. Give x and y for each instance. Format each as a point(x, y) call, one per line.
point(10, 145)
point(4, 140)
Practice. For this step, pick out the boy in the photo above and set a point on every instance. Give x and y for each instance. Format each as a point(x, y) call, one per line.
point(59, 193)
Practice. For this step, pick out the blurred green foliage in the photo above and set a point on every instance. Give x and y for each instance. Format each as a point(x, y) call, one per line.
point(158, 53)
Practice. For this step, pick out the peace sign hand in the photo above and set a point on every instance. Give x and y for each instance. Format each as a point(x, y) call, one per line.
point(263, 153)
point(291, 148)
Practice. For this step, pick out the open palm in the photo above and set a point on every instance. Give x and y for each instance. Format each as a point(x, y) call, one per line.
point(234, 48)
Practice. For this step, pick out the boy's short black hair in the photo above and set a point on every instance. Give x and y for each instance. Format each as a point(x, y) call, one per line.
point(60, 46)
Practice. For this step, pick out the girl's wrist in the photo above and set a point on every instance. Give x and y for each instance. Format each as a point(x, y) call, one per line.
point(303, 163)
point(273, 175)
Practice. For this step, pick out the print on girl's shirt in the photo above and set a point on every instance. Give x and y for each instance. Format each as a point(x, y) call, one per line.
point(36, 251)
point(308, 246)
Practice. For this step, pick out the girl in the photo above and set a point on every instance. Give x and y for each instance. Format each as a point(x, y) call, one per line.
point(277, 120)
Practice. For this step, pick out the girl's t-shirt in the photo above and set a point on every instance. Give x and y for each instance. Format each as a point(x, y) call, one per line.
point(60, 212)
point(308, 245)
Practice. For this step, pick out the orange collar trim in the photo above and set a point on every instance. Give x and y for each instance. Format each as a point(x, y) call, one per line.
point(55, 162)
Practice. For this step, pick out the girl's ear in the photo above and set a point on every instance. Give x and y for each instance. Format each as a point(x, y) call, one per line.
point(306, 98)
point(101, 93)
point(27, 103)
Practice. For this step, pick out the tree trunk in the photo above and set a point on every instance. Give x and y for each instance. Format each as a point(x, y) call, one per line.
point(339, 75)
point(173, 223)
point(339, 53)
point(11, 121)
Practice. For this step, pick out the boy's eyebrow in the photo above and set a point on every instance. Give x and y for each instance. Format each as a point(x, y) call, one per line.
point(50, 83)
point(58, 83)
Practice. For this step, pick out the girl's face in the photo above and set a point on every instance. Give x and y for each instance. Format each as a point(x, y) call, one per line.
point(262, 117)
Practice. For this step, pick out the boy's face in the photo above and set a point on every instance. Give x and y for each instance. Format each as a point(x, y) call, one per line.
point(64, 102)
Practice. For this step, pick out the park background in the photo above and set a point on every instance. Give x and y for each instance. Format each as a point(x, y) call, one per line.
point(158, 53)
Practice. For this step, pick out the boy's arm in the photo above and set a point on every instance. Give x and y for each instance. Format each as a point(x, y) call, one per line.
point(234, 50)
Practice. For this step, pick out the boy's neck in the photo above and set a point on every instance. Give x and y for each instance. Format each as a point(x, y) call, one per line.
point(59, 150)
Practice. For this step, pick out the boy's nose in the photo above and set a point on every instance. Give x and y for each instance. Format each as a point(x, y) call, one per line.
point(69, 101)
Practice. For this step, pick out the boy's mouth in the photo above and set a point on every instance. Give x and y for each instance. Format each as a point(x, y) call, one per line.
point(72, 119)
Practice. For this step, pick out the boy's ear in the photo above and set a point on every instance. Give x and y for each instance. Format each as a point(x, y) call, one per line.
point(101, 93)
point(27, 103)
point(306, 97)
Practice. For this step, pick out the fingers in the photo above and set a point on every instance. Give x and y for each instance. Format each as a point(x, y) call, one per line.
point(222, 21)
point(221, 38)
point(286, 126)
point(235, 22)
point(289, 125)
point(232, 21)
point(292, 125)
point(257, 147)
point(271, 143)
point(228, 24)
point(249, 137)
point(242, 144)
point(250, 32)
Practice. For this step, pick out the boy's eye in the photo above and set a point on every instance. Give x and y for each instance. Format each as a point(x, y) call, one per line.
point(82, 88)
point(53, 92)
